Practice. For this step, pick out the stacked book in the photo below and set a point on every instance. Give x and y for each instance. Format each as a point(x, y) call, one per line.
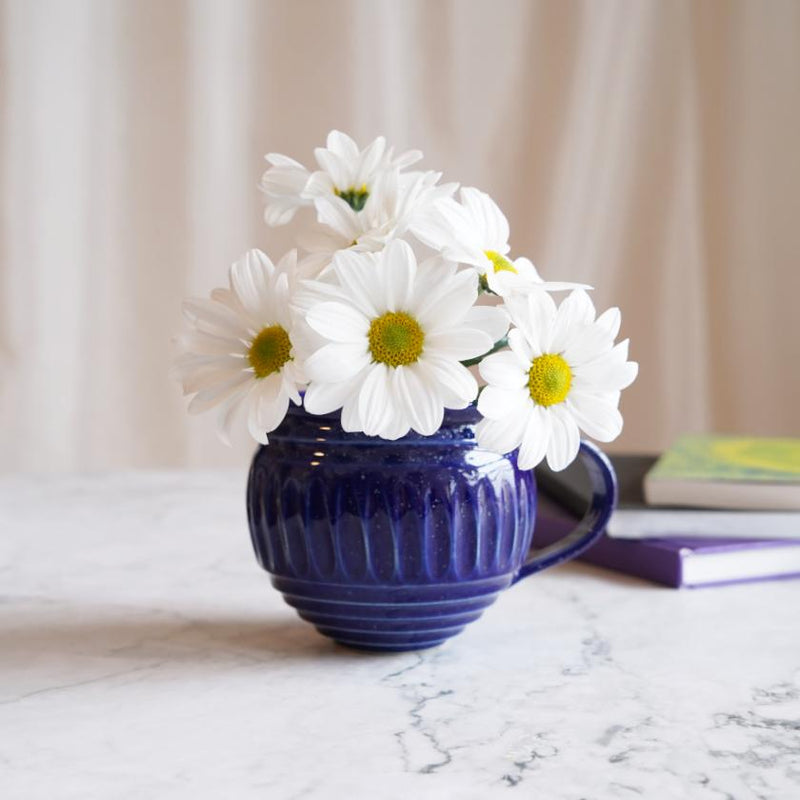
point(712, 510)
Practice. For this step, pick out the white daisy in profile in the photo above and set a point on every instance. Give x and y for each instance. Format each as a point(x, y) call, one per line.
point(475, 232)
point(345, 172)
point(562, 375)
point(393, 335)
point(394, 204)
point(240, 354)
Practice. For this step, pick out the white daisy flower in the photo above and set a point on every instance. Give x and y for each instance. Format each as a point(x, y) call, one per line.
point(348, 173)
point(394, 334)
point(241, 354)
point(563, 374)
point(393, 206)
point(475, 232)
point(344, 171)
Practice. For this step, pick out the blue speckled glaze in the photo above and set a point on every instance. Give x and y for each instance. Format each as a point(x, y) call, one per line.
point(398, 545)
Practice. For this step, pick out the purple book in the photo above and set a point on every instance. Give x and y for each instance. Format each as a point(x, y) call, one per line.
point(678, 562)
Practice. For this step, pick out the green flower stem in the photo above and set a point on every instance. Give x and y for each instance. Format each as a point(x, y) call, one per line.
point(483, 286)
point(499, 345)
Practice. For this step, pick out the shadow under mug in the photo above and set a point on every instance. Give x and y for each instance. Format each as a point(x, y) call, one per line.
point(398, 545)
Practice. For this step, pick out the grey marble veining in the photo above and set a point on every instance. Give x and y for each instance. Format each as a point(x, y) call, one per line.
point(143, 654)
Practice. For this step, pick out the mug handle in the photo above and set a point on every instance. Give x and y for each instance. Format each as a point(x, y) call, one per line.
point(590, 528)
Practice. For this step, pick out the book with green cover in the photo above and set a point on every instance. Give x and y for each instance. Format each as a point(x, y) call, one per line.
point(710, 471)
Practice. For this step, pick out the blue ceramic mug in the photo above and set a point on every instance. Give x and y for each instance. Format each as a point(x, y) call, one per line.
point(398, 545)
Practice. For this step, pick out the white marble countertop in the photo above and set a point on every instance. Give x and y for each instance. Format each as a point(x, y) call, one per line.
point(143, 654)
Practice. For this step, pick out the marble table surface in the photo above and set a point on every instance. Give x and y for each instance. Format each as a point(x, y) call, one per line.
point(143, 654)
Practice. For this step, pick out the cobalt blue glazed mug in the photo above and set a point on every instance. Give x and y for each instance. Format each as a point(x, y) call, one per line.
point(398, 545)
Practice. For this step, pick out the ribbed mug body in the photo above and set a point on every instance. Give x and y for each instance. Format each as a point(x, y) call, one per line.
point(388, 545)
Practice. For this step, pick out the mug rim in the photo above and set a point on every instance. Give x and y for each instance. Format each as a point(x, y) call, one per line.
point(330, 429)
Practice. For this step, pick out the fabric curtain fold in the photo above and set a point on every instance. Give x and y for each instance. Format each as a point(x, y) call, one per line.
point(646, 148)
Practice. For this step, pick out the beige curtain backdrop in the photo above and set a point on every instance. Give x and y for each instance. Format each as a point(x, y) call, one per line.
point(649, 148)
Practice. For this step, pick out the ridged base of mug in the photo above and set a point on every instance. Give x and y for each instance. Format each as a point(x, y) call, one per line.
point(373, 647)
point(390, 618)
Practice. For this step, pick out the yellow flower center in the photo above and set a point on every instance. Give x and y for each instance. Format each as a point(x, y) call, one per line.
point(500, 263)
point(396, 339)
point(355, 198)
point(269, 351)
point(549, 379)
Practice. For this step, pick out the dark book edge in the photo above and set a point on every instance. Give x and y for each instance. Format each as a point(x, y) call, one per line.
point(657, 560)
point(651, 560)
point(570, 487)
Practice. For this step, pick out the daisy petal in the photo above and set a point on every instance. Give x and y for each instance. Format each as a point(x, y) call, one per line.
point(535, 439)
point(443, 298)
point(496, 403)
point(279, 160)
point(501, 435)
point(289, 382)
point(208, 398)
point(527, 271)
point(450, 374)
point(342, 145)
point(605, 374)
point(311, 292)
point(198, 372)
point(400, 267)
point(335, 213)
point(398, 427)
point(319, 184)
point(597, 415)
point(491, 319)
point(227, 415)
point(563, 286)
point(562, 448)
point(214, 318)
point(351, 421)
point(284, 184)
point(406, 159)
point(521, 348)
point(432, 229)
point(322, 398)
point(459, 343)
point(575, 313)
point(275, 307)
point(356, 274)
point(375, 400)
point(249, 277)
point(488, 217)
point(590, 345)
point(505, 370)
point(609, 322)
point(338, 322)
point(370, 159)
point(336, 361)
point(253, 423)
point(207, 343)
point(420, 400)
point(272, 406)
point(533, 313)
point(334, 165)
point(451, 392)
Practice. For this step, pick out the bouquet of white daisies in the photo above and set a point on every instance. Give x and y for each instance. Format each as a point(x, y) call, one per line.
point(380, 315)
